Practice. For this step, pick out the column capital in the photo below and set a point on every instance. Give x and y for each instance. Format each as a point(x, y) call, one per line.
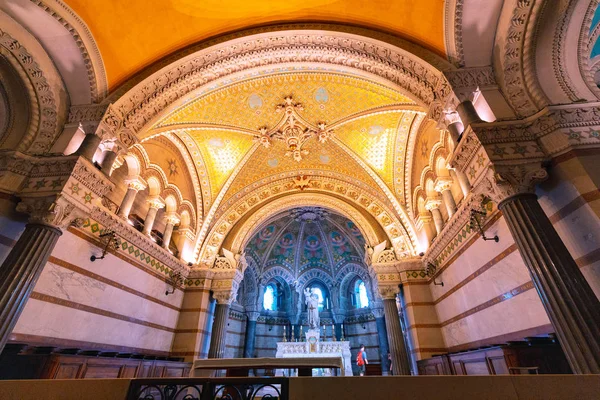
point(136, 184)
point(433, 203)
point(156, 202)
point(378, 312)
point(503, 181)
point(252, 315)
point(226, 297)
point(388, 292)
point(172, 218)
point(443, 183)
point(55, 211)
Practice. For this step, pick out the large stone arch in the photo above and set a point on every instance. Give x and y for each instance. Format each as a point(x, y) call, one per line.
point(416, 71)
point(351, 201)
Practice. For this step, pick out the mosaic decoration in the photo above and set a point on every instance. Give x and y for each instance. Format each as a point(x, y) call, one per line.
point(284, 250)
point(341, 247)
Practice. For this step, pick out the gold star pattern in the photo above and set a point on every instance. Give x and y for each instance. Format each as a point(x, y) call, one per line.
point(56, 183)
point(40, 184)
point(74, 188)
point(88, 198)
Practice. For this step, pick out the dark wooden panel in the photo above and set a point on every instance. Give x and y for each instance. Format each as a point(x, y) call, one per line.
point(499, 366)
point(67, 370)
point(128, 371)
point(476, 367)
point(94, 370)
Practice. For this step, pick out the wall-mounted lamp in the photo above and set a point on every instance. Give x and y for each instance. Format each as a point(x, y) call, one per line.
point(430, 271)
point(475, 224)
point(176, 280)
point(109, 238)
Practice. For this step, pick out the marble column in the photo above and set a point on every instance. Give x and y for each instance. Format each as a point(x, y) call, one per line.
point(455, 126)
point(433, 205)
point(571, 305)
point(442, 186)
point(133, 187)
point(171, 220)
point(384, 346)
point(463, 181)
point(397, 345)
point(468, 114)
point(21, 270)
point(88, 147)
point(108, 161)
point(252, 316)
point(155, 204)
point(219, 330)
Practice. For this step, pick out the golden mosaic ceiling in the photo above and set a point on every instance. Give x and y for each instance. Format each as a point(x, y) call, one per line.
point(369, 124)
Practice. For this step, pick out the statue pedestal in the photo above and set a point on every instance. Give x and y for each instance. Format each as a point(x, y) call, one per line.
point(313, 347)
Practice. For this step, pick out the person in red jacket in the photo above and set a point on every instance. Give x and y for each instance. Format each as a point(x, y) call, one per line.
point(361, 360)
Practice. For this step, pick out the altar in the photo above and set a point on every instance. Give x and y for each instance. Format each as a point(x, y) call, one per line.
point(313, 347)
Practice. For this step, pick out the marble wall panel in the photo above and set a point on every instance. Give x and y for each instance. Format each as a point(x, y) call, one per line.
point(592, 274)
point(473, 258)
point(66, 284)
point(580, 231)
point(77, 251)
point(504, 276)
point(50, 320)
point(521, 312)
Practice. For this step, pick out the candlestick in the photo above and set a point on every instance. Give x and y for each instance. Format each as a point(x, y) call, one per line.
point(343, 338)
point(293, 339)
point(284, 335)
point(300, 332)
point(333, 332)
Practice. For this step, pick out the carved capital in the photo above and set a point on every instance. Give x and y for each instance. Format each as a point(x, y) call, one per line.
point(136, 184)
point(172, 218)
point(226, 297)
point(378, 312)
point(433, 203)
point(388, 292)
point(443, 183)
point(55, 211)
point(504, 181)
point(156, 202)
point(252, 315)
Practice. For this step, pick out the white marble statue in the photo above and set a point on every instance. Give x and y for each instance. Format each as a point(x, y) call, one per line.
point(312, 301)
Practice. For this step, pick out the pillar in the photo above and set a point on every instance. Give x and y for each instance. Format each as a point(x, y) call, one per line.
point(21, 270)
point(433, 205)
point(133, 187)
point(108, 161)
point(571, 305)
point(250, 334)
point(383, 339)
point(455, 126)
point(442, 186)
point(155, 204)
point(397, 345)
point(467, 113)
point(463, 181)
point(172, 220)
point(219, 330)
point(88, 147)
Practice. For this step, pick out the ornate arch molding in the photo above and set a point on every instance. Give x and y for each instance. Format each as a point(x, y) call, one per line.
point(514, 56)
point(84, 41)
point(324, 188)
point(587, 39)
point(48, 102)
point(453, 31)
point(410, 67)
point(314, 275)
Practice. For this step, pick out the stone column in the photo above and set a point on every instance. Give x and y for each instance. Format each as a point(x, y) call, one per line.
point(382, 335)
point(24, 264)
point(88, 147)
point(463, 181)
point(250, 333)
point(455, 126)
point(468, 114)
point(400, 361)
point(133, 187)
point(155, 204)
point(338, 319)
point(433, 205)
point(108, 161)
point(442, 186)
point(219, 328)
point(172, 219)
point(572, 307)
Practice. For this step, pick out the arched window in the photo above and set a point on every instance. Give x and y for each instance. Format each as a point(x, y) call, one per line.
point(359, 295)
point(270, 298)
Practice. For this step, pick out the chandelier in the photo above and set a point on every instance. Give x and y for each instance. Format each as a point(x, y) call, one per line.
point(293, 130)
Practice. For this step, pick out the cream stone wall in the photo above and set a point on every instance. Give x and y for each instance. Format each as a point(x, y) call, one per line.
point(109, 301)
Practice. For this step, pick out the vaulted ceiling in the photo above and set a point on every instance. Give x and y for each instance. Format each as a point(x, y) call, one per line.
point(131, 35)
point(369, 125)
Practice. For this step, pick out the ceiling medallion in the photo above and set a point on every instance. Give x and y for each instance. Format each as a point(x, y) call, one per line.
point(308, 214)
point(293, 130)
